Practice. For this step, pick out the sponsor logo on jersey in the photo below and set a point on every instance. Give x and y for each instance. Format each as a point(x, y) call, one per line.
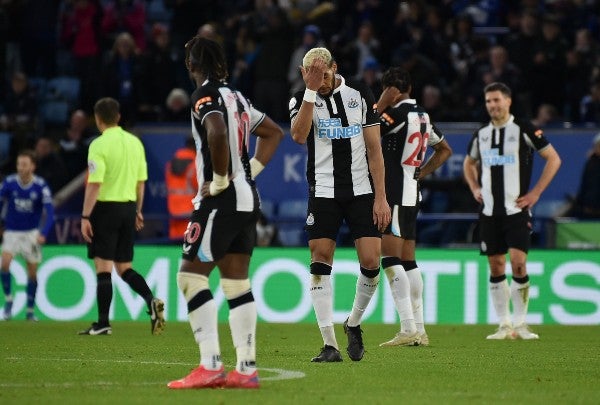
point(492, 157)
point(332, 128)
point(204, 100)
point(386, 117)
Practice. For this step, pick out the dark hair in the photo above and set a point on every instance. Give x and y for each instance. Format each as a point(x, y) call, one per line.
point(498, 86)
point(107, 109)
point(29, 153)
point(398, 78)
point(207, 56)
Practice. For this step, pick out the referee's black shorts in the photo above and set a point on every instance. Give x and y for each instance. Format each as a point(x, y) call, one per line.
point(113, 224)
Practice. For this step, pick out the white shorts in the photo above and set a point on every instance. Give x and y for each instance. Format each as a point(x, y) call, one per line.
point(24, 243)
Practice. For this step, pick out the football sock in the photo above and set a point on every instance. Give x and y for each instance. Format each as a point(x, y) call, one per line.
point(400, 289)
point(320, 292)
point(242, 322)
point(366, 285)
point(519, 293)
point(5, 278)
point(104, 293)
point(500, 293)
point(138, 284)
point(202, 314)
point(31, 290)
point(415, 281)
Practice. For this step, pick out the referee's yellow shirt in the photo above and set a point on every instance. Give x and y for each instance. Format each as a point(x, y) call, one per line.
point(118, 161)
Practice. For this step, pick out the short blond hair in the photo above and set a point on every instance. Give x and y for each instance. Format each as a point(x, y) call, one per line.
point(314, 53)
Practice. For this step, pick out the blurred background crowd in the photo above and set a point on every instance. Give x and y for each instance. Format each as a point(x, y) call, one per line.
point(57, 57)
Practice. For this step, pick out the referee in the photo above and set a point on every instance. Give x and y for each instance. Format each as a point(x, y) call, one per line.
point(112, 212)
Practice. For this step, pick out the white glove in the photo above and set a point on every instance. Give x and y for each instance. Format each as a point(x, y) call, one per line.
point(218, 184)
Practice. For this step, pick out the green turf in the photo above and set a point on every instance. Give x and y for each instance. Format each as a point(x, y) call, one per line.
point(47, 363)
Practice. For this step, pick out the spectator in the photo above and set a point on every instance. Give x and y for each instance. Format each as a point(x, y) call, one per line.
point(50, 165)
point(74, 144)
point(182, 187)
point(546, 115)
point(81, 34)
point(590, 105)
point(431, 100)
point(20, 116)
point(311, 38)
point(125, 16)
point(549, 65)
point(159, 74)
point(587, 202)
point(371, 76)
point(122, 77)
point(177, 106)
point(272, 61)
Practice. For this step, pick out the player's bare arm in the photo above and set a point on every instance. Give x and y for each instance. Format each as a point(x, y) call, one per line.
point(269, 136)
point(441, 153)
point(388, 97)
point(139, 203)
point(471, 174)
point(381, 209)
point(551, 167)
point(89, 201)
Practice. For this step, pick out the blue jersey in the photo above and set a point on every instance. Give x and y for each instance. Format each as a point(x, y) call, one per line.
point(26, 204)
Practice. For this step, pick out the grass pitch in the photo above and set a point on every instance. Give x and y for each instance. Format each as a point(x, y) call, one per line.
point(47, 363)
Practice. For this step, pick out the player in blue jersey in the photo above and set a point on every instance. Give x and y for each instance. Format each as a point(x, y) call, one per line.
point(28, 197)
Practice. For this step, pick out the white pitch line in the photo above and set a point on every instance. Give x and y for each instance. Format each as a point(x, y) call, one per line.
point(280, 374)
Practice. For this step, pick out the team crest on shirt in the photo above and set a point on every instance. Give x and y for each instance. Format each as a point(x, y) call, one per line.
point(33, 195)
point(91, 166)
point(352, 103)
point(310, 220)
point(318, 105)
point(292, 103)
point(483, 246)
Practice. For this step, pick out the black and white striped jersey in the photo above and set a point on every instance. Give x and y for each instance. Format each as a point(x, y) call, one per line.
point(406, 131)
point(241, 118)
point(337, 157)
point(505, 156)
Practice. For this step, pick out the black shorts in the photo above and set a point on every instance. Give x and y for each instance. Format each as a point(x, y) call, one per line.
point(113, 224)
point(499, 233)
point(217, 229)
point(404, 222)
point(325, 216)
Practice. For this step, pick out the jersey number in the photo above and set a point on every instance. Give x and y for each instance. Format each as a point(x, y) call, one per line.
point(418, 153)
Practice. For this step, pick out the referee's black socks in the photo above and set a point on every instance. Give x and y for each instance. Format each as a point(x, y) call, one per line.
point(138, 284)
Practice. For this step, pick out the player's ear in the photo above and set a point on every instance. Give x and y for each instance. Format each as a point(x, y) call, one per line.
point(334, 67)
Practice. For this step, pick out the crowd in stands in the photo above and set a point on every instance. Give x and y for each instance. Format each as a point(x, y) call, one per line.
point(133, 50)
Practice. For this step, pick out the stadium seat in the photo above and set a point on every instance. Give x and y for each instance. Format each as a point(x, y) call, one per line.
point(55, 112)
point(292, 235)
point(65, 88)
point(5, 138)
point(268, 208)
point(40, 86)
point(293, 209)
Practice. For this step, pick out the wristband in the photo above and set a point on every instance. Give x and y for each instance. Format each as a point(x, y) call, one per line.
point(255, 167)
point(85, 217)
point(310, 96)
point(218, 184)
